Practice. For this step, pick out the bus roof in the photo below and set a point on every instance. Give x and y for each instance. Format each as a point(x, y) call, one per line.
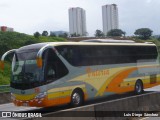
point(40, 45)
point(108, 41)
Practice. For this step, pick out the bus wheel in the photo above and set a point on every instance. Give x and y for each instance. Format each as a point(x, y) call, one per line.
point(77, 98)
point(139, 87)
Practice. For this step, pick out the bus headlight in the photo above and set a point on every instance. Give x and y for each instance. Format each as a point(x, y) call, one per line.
point(41, 95)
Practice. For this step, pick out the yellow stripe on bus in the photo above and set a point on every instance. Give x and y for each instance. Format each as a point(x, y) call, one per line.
point(52, 95)
point(59, 94)
point(65, 88)
point(25, 97)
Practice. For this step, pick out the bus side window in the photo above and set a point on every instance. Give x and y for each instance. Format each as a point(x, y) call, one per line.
point(55, 68)
point(51, 73)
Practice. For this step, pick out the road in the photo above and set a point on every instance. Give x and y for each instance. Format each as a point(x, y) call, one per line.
point(11, 107)
point(157, 88)
point(150, 118)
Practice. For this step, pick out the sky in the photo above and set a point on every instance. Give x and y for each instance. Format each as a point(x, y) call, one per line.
point(29, 16)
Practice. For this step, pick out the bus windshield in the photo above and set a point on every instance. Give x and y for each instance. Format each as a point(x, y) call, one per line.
point(25, 73)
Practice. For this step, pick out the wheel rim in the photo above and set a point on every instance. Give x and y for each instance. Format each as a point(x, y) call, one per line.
point(138, 88)
point(76, 98)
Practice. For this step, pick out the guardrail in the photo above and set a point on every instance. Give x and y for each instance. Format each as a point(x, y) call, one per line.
point(5, 97)
point(4, 88)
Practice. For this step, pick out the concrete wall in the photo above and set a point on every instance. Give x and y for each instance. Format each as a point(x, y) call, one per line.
point(5, 97)
point(146, 102)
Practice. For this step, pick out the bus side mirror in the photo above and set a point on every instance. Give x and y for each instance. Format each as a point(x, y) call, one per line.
point(39, 62)
point(2, 65)
point(4, 56)
point(39, 55)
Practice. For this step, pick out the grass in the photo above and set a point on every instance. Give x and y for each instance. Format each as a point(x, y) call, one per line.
point(5, 78)
point(5, 75)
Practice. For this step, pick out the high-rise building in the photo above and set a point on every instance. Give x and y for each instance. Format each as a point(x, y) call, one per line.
point(77, 21)
point(110, 18)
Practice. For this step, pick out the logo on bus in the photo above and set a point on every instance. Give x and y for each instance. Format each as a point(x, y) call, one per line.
point(96, 73)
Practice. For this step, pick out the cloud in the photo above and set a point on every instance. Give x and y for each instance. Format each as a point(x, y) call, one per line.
point(4, 5)
point(149, 1)
point(29, 16)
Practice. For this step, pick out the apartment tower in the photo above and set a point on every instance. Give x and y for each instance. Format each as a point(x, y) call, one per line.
point(110, 17)
point(77, 21)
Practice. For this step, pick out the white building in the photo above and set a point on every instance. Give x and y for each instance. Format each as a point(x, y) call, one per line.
point(110, 18)
point(77, 21)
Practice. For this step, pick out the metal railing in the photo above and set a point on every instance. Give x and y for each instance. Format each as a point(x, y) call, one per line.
point(4, 88)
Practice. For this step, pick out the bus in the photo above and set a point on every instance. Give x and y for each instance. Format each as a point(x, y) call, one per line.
point(57, 73)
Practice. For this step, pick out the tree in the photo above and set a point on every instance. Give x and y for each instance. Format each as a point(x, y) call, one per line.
point(37, 34)
point(75, 35)
point(99, 33)
point(52, 34)
point(116, 32)
point(45, 33)
point(64, 35)
point(86, 34)
point(144, 33)
point(124, 33)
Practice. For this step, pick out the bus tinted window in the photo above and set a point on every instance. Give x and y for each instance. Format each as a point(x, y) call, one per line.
point(100, 55)
point(55, 69)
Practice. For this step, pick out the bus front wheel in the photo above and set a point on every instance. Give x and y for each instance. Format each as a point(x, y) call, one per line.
point(139, 87)
point(77, 98)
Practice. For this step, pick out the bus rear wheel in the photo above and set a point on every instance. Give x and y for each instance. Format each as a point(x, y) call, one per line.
point(139, 87)
point(77, 98)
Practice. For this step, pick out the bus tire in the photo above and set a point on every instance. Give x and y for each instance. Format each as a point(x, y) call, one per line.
point(139, 87)
point(77, 97)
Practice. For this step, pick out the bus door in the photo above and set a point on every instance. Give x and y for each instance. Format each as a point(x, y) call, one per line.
point(54, 71)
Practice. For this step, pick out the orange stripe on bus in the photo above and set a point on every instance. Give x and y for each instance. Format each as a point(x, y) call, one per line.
point(114, 86)
point(148, 85)
point(58, 101)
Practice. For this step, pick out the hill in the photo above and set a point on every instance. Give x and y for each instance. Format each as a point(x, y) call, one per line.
point(13, 40)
